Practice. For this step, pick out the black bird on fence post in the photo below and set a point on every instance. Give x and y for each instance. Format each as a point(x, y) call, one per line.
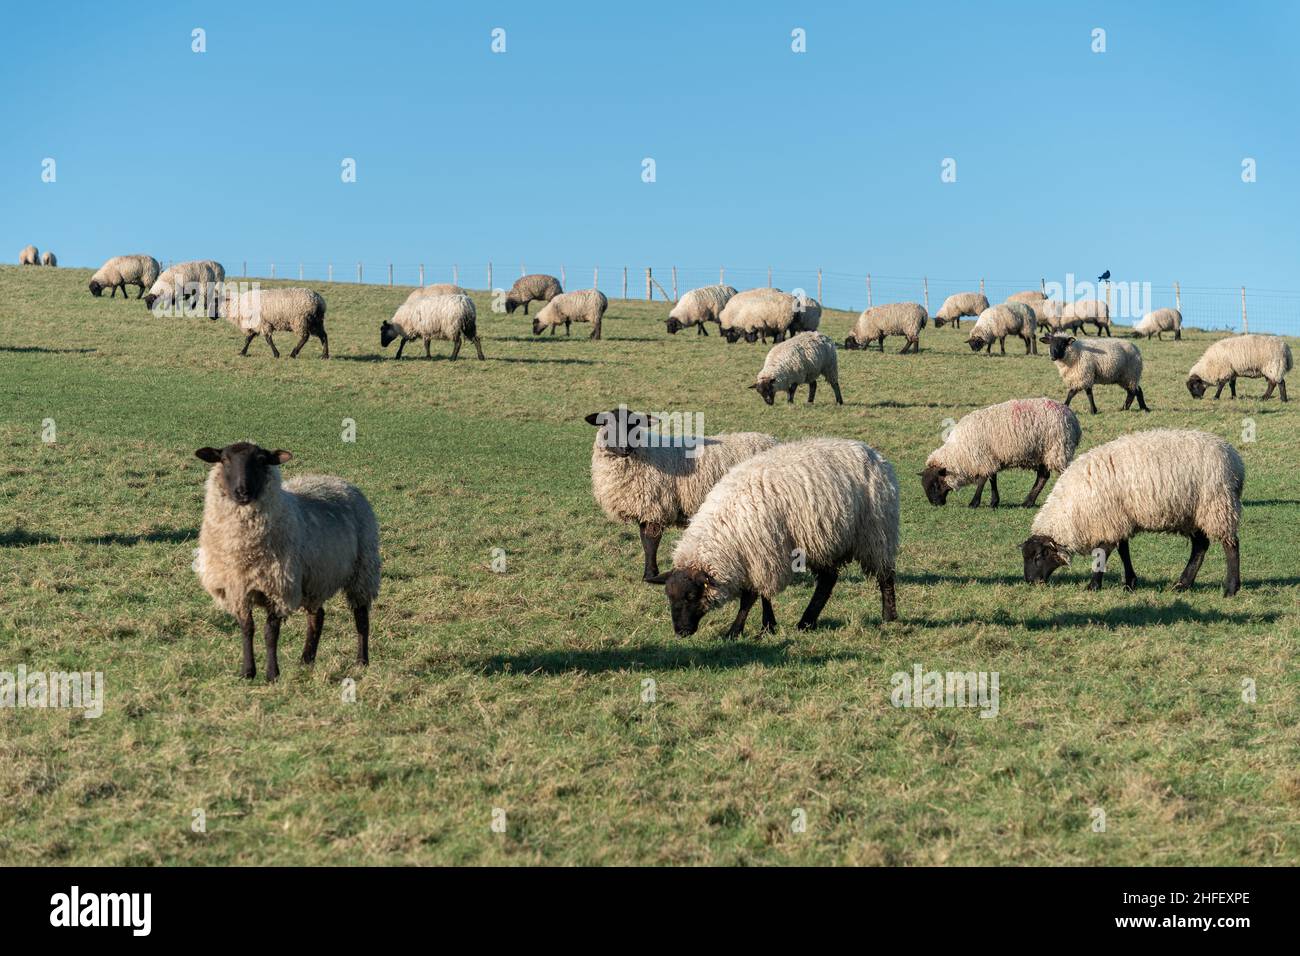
point(1104, 276)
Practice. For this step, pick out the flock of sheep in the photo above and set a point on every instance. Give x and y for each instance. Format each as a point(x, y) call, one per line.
point(756, 511)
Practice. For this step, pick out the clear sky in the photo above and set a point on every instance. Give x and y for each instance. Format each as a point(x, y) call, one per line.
point(1066, 160)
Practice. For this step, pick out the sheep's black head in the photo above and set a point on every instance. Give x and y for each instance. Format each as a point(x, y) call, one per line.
point(731, 335)
point(95, 288)
point(940, 321)
point(388, 332)
point(245, 468)
point(149, 300)
point(935, 483)
point(851, 343)
point(674, 326)
point(751, 337)
point(690, 595)
point(1196, 385)
point(1042, 557)
point(537, 326)
point(975, 343)
point(511, 304)
point(1058, 344)
point(767, 388)
point(622, 430)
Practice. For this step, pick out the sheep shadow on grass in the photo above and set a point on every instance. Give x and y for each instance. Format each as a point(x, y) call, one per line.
point(43, 350)
point(22, 538)
point(1125, 615)
point(714, 655)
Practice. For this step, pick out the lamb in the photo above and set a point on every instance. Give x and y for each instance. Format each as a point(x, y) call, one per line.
point(756, 313)
point(263, 311)
point(1251, 356)
point(1030, 297)
point(1159, 322)
point(49, 259)
point(449, 318)
point(699, 306)
point(122, 271)
point(998, 321)
point(1089, 310)
point(438, 288)
point(1083, 363)
point(799, 360)
point(654, 484)
point(955, 306)
point(532, 288)
point(1170, 480)
point(897, 318)
point(197, 281)
point(1033, 433)
point(30, 256)
point(585, 305)
point(284, 547)
point(823, 501)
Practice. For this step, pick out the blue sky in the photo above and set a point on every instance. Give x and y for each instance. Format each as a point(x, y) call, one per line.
point(1067, 160)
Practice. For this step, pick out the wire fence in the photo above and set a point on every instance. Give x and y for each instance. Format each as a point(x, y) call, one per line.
point(1213, 308)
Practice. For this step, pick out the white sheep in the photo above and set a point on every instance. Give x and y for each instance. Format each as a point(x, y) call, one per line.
point(659, 481)
point(532, 288)
point(585, 305)
point(1030, 297)
point(1083, 363)
point(1089, 310)
point(998, 321)
point(799, 360)
point(1050, 314)
point(1033, 433)
point(1166, 480)
point(816, 504)
point(1249, 356)
point(807, 314)
point(49, 259)
point(895, 318)
point(30, 256)
point(438, 288)
point(1159, 322)
point(263, 311)
point(757, 313)
point(449, 318)
point(958, 305)
point(284, 547)
point(699, 306)
point(121, 271)
point(197, 283)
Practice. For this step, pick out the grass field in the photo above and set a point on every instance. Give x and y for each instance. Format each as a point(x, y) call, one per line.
point(523, 690)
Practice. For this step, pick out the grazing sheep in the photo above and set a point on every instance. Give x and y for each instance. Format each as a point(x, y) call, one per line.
point(757, 313)
point(799, 360)
point(654, 484)
point(998, 321)
point(1083, 363)
point(438, 288)
point(819, 503)
point(896, 318)
point(1250, 356)
point(1159, 322)
point(1033, 433)
point(698, 306)
point(284, 547)
point(263, 311)
point(1029, 297)
point(807, 314)
point(122, 271)
point(1170, 480)
point(532, 288)
point(449, 318)
point(196, 282)
point(585, 305)
point(49, 259)
point(1089, 310)
point(30, 256)
point(1050, 314)
point(959, 304)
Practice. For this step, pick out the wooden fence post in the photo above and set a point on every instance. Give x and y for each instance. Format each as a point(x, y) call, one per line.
point(722, 275)
point(769, 277)
point(926, 281)
point(1245, 323)
point(300, 272)
point(1042, 286)
point(674, 283)
point(331, 272)
point(245, 268)
point(521, 270)
point(1107, 296)
point(625, 282)
point(358, 272)
point(272, 270)
point(1178, 298)
point(564, 280)
point(422, 276)
point(390, 275)
point(649, 291)
point(981, 286)
point(595, 277)
point(455, 274)
point(489, 277)
point(868, 290)
point(819, 285)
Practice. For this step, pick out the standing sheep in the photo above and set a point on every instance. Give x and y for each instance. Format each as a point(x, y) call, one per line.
point(30, 256)
point(122, 271)
point(49, 259)
point(1050, 314)
point(585, 305)
point(799, 360)
point(1089, 310)
point(1029, 297)
point(1169, 480)
point(699, 306)
point(263, 311)
point(757, 313)
point(532, 288)
point(1159, 322)
point(196, 283)
point(998, 321)
point(449, 318)
point(1250, 356)
point(1083, 363)
point(807, 313)
point(1033, 433)
point(896, 318)
point(438, 288)
point(958, 305)
point(828, 500)
point(657, 485)
point(284, 547)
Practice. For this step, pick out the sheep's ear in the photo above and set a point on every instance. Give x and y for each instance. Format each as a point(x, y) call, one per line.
point(660, 578)
point(210, 455)
point(281, 456)
point(596, 418)
point(755, 385)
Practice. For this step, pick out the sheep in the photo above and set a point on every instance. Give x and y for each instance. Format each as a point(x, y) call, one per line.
point(654, 484)
point(121, 271)
point(30, 256)
point(531, 288)
point(799, 360)
point(959, 304)
point(1157, 323)
point(897, 318)
point(49, 259)
point(1252, 356)
point(819, 503)
point(756, 313)
point(438, 288)
point(1089, 310)
point(1033, 433)
point(585, 305)
point(998, 321)
point(1170, 480)
point(1051, 314)
point(1083, 363)
point(807, 314)
point(197, 281)
point(263, 311)
point(699, 306)
point(449, 318)
point(284, 547)
point(1029, 297)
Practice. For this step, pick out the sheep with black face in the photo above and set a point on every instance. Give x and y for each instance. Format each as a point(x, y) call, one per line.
point(799, 360)
point(1249, 356)
point(1083, 363)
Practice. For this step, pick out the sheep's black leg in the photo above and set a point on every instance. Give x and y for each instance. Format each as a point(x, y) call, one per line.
point(1219, 390)
point(400, 345)
point(907, 347)
point(478, 347)
point(1232, 386)
point(1107, 327)
point(1029, 343)
point(821, 594)
point(1281, 388)
point(247, 342)
point(1130, 576)
point(1043, 473)
point(246, 632)
point(1200, 544)
point(769, 618)
point(989, 348)
point(552, 329)
point(789, 394)
point(301, 342)
point(1092, 402)
point(993, 483)
point(1268, 392)
point(650, 535)
point(1142, 401)
point(324, 344)
point(140, 296)
point(595, 332)
point(888, 603)
point(315, 622)
point(979, 493)
point(1232, 552)
point(1100, 566)
point(1002, 345)
point(1128, 401)
point(882, 345)
point(747, 599)
point(835, 386)
point(1069, 396)
point(272, 638)
point(1178, 335)
point(271, 342)
point(455, 346)
point(362, 617)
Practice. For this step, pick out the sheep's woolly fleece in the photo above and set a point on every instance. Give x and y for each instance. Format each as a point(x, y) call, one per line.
point(761, 311)
point(122, 271)
point(1090, 362)
point(999, 321)
point(704, 304)
point(274, 310)
point(1021, 433)
point(585, 305)
point(1161, 320)
point(1246, 356)
point(799, 360)
point(438, 288)
point(436, 317)
point(894, 318)
point(959, 304)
